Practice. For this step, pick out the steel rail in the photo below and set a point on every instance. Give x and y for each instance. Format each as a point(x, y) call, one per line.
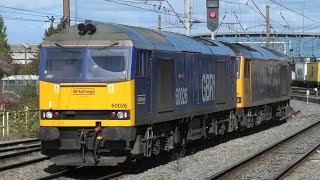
point(32, 161)
point(250, 158)
point(9, 155)
point(19, 142)
point(19, 148)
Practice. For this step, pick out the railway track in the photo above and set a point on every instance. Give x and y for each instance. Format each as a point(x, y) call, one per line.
point(12, 143)
point(289, 169)
point(17, 148)
point(276, 160)
point(300, 93)
point(23, 163)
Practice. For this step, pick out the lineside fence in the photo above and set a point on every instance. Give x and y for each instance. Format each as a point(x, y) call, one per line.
point(18, 124)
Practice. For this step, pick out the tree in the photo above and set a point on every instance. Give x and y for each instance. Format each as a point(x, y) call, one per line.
point(6, 66)
point(52, 30)
point(4, 46)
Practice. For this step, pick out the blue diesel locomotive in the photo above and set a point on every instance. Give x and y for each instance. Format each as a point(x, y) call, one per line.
point(136, 92)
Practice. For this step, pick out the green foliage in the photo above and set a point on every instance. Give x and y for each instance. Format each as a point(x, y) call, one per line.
point(52, 30)
point(26, 121)
point(5, 51)
point(4, 46)
point(30, 97)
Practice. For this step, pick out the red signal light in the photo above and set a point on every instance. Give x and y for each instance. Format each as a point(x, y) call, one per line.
point(212, 14)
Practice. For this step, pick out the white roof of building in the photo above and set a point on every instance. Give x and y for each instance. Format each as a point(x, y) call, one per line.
point(20, 52)
point(20, 77)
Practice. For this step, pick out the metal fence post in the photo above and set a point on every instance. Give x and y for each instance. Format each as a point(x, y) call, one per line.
point(3, 124)
point(26, 121)
point(26, 110)
point(8, 124)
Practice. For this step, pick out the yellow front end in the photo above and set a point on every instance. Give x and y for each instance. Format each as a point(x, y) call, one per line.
point(86, 97)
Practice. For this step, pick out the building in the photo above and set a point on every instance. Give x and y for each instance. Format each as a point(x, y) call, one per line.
point(24, 53)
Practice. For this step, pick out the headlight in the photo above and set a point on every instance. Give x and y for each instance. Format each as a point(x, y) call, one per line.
point(49, 115)
point(120, 114)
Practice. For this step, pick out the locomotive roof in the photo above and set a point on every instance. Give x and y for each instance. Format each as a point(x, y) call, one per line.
point(262, 53)
point(142, 38)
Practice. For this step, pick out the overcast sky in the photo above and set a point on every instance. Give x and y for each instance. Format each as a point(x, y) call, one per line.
point(26, 19)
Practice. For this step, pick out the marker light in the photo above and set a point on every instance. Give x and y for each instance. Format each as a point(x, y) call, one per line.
point(212, 14)
point(120, 115)
point(56, 115)
point(49, 115)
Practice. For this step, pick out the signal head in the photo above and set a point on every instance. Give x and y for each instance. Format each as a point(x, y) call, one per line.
point(212, 14)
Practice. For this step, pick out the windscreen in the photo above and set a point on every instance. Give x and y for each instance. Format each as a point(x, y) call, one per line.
point(63, 63)
point(108, 64)
point(89, 64)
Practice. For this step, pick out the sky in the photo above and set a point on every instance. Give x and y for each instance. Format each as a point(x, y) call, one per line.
point(26, 20)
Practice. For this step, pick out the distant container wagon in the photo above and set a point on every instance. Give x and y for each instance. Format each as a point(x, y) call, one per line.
point(313, 75)
point(306, 74)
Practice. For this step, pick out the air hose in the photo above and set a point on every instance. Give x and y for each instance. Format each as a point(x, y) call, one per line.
point(96, 145)
point(83, 144)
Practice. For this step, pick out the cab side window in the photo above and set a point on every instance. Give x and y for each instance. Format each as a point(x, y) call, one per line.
point(246, 68)
point(142, 64)
point(238, 67)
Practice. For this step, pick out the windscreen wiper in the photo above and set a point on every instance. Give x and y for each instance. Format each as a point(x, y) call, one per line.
point(114, 44)
point(66, 49)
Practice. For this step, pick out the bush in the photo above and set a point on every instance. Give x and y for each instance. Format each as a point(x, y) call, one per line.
point(25, 123)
